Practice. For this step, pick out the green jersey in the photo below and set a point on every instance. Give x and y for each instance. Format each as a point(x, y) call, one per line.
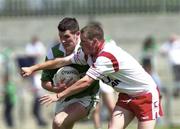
point(47, 75)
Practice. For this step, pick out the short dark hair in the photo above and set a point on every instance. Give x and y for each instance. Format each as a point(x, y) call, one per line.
point(68, 24)
point(93, 31)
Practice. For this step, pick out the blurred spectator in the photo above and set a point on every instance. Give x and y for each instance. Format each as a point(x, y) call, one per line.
point(9, 88)
point(147, 65)
point(1, 76)
point(148, 59)
point(149, 50)
point(171, 49)
point(35, 50)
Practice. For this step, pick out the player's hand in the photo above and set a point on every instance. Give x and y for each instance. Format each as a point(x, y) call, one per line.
point(26, 71)
point(61, 84)
point(48, 99)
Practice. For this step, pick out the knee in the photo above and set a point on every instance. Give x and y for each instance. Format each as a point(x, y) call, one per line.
point(60, 122)
point(57, 122)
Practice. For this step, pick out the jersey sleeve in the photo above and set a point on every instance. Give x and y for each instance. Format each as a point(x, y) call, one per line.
point(49, 54)
point(47, 75)
point(79, 58)
point(102, 67)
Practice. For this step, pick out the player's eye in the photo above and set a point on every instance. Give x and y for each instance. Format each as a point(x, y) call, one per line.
point(66, 36)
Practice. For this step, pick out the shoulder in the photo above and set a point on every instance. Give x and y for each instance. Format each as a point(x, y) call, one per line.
point(110, 48)
point(55, 51)
point(109, 40)
point(51, 46)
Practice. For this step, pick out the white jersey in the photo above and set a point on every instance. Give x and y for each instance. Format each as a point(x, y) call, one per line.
point(36, 49)
point(118, 69)
point(173, 51)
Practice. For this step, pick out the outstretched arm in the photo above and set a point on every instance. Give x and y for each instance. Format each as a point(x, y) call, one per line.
point(77, 87)
point(50, 64)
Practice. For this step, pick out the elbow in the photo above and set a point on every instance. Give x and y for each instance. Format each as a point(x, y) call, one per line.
point(87, 82)
point(45, 85)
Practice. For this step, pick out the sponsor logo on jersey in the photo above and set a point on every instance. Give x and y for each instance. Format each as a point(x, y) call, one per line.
point(111, 82)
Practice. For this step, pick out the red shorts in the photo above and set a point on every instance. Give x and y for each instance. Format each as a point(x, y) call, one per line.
point(145, 107)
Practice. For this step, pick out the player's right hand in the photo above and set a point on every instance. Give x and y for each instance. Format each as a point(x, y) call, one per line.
point(61, 85)
point(26, 71)
point(48, 99)
point(65, 83)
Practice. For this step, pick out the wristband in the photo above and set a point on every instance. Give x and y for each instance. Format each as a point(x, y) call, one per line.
point(57, 95)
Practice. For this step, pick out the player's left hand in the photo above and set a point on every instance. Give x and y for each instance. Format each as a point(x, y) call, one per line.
point(48, 99)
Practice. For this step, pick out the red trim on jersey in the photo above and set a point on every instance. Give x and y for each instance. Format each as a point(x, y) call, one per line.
point(101, 46)
point(160, 110)
point(112, 58)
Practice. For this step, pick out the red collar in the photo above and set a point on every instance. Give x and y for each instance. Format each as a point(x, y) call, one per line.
point(100, 47)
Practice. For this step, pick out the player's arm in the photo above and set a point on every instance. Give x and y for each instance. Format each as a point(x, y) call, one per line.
point(47, 81)
point(77, 87)
point(50, 64)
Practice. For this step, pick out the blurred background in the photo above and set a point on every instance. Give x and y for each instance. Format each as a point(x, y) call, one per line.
point(131, 23)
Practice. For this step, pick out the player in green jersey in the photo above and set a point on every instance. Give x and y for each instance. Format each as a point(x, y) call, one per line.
point(77, 106)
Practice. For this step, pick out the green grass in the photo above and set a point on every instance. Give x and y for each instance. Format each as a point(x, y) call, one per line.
point(89, 125)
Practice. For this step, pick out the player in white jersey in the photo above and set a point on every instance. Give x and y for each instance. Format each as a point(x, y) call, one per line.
point(138, 94)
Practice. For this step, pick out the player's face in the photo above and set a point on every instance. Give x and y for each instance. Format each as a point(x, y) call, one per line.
point(69, 40)
point(87, 45)
point(90, 47)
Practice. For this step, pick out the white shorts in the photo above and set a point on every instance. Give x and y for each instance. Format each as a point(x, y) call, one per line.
point(104, 88)
point(87, 102)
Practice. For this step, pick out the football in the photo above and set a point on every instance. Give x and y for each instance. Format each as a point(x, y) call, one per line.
point(66, 74)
